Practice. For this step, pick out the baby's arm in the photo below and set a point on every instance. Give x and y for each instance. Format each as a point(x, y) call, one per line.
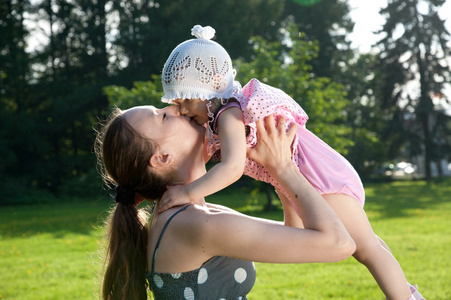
point(230, 169)
point(206, 155)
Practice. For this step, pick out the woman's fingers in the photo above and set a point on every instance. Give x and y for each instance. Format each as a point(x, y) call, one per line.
point(281, 125)
point(270, 124)
point(291, 133)
point(260, 128)
point(274, 142)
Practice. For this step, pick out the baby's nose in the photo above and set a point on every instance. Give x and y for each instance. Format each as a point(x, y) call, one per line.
point(183, 110)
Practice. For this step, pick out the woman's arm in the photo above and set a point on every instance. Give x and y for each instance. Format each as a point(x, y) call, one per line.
point(208, 233)
point(273, 153)
point(291, 217)
point(324, 238)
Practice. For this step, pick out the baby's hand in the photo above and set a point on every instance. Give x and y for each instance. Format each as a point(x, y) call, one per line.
point(174, 196)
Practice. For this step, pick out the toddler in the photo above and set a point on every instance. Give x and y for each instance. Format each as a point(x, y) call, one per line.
point(199, 77)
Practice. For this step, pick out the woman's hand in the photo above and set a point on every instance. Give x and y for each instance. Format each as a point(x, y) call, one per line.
point(273, 149)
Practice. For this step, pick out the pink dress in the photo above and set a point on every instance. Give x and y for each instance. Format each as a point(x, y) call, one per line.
point(327, 170)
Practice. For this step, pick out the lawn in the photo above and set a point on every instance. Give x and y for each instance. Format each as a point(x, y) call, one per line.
point(51, 251)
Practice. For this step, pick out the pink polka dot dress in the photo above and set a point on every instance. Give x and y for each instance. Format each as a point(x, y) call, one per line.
point(327, 170)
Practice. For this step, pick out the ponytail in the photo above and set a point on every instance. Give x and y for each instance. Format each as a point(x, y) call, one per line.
point(126, 255)
point(123, 155)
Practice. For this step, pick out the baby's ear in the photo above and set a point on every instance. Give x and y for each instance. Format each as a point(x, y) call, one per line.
point(160, 160)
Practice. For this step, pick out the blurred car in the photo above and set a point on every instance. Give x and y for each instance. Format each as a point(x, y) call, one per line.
point(401, 169)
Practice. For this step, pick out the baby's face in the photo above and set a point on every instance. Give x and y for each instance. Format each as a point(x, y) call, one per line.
point(193, 108)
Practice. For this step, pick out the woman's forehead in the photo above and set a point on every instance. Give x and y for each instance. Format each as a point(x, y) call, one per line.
point(141, 109)
point(138, 116)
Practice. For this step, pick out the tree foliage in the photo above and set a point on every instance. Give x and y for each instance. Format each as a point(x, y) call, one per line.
point(53, 94)
point(147, 30)
point(328, 22)
point(142, 93)
point(289, 68)
point(95, 54)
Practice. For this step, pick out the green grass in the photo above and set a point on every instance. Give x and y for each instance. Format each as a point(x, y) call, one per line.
point(51, 251)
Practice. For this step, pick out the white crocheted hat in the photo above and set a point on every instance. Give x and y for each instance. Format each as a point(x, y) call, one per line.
point(198, 68)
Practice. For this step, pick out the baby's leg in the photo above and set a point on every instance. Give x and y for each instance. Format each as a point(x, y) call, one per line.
point(371, 251)
point(383, 244)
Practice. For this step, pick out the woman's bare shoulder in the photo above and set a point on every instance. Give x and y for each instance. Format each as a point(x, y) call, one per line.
point(197, 214)
point(200, 219)
point(194, 214)
point(196, 222)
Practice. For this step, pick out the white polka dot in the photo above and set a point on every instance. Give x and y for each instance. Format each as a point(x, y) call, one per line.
point(158, 281)
point(188, 293)
point(202, 276)
point(176, 275)
point(240, 275)
point(240, 298)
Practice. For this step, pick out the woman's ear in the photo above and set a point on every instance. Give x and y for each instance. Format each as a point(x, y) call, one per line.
point(161, 160)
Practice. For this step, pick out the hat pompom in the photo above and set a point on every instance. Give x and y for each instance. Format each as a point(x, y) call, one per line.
point(205, 33)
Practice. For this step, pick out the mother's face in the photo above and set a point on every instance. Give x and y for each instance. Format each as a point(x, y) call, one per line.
point(167, 128)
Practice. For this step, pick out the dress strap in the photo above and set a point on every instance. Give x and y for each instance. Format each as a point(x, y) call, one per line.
point(215, 107)
point(161, 235)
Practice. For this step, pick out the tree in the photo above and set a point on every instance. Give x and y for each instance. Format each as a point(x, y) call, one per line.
point(147, 31)
point(414, 51)
point(142, 93)
point(52, 94)
point(327, 22)
point(49, 97)
point(69, 73)
point(364, 115)
point(16, 128)
point(323, 99)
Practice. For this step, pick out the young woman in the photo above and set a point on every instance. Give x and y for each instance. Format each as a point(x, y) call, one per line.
point(201, 250)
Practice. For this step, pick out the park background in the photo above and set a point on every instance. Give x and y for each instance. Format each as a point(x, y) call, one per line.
point(65, 64)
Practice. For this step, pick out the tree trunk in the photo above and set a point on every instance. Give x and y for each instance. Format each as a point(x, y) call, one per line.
point(425, 107)
point(269, 188)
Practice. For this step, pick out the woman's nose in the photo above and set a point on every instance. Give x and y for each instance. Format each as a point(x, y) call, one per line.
point(174, 109)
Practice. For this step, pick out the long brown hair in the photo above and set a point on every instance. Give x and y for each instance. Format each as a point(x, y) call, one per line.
point(123, 159)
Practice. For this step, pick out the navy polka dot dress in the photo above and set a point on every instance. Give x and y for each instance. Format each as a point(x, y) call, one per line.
point(220, 278)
